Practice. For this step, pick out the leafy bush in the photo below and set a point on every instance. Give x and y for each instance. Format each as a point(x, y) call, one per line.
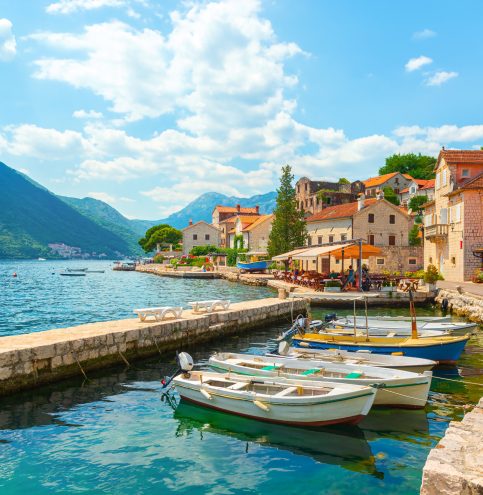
point(391, 196)
point(431, 275)
point(416, 201)
point(414, 238)
point(204, 250)
point(479, 276)
point(332, 283)
point(416, 274)
point(343, 180)
point(158, 258)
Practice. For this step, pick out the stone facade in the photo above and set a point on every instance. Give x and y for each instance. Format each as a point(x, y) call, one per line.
point(453, 225)
point(334, 194)
point(200, 234)
point(256, 234)
point(224, 218)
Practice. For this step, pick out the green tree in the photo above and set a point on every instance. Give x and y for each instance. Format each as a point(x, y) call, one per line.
point(416, 201)
point(204, 250)
point(343, 180)
point(288, 228)
point(414, 239)
point(160, 235)
point(417, 166)
point(391, 196)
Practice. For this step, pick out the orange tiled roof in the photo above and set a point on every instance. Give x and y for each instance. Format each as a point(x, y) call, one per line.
point(429, 184)
point(381, 179)
point(339, 211)
point(233, 209)
point(474, 183)
point(259, 221)
point(461, 156)
point(248, 219)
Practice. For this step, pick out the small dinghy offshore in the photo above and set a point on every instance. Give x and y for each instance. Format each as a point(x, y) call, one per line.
point(395, 388)
point(76, 269)
point(276, 400)
point(395, 362)
point(72, 274)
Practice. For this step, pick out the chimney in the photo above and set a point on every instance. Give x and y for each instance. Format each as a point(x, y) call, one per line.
point(238, 208)
point(190, 222)
point(360, 201)
point(257, 210)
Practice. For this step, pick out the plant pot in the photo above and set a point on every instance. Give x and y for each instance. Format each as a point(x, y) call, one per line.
point(331, 289)
point(431, 286)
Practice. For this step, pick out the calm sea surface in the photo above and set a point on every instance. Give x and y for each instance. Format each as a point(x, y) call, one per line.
point(113, 434)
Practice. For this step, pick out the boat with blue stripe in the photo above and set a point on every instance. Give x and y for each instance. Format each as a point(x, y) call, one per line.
point(253, 266)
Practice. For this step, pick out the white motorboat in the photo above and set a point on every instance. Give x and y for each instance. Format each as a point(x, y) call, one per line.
point(277, 400)
point(395, 388)
point(402, 328)
point(419, 319)
point(395, 362)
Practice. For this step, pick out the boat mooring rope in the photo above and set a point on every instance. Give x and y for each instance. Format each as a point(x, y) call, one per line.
point(458, 381)
point(433, 403)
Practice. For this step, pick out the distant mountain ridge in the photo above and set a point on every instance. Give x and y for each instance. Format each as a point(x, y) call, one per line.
point(31, 217)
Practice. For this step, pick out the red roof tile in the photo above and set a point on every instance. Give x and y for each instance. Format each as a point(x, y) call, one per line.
point(461, 156)
point(339, 211)
point(233, 209)
point(381, 179)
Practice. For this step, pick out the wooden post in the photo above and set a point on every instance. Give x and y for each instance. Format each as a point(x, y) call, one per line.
point(360, 265)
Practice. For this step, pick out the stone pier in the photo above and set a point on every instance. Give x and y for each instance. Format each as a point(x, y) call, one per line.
point(33, 359)
point(455, 465)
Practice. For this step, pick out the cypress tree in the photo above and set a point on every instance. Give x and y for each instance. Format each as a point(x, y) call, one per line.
point(288, 228)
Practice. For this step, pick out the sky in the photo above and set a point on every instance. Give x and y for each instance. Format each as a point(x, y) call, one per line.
point(147, 104)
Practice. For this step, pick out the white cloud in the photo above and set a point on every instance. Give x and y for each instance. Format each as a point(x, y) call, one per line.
point(8, 45)
point(418, 62)
point(102, 196)
point(440, 77)
point(424, 34)
point(87, 114)
point(72, 6)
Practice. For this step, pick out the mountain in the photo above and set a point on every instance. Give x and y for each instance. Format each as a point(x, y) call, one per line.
point(31, 217)
point(202, 207)
point(109, 218)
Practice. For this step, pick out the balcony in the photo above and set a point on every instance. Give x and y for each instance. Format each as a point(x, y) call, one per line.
point(436, 232)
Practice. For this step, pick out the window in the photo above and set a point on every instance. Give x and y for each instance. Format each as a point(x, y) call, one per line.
point(195, 237)
point(453, 260)
point(465, 172)
point(328, 201)
point(396, 180)
point(443, 177)
point(207, 237)
point(456, 213)
point(298, 188)
point(437, 181)
point(431, 260)
point(413, 189)
point(379, 261)
point(331, 239)
point(392, 240)
point(371, 239)
point(337, 262)
point(392, 219)
point(343, 237)
point(319, 239)
point(412, 261)
point(370, 218)
point(309, 241)
point(306, 186)
point(396, 190)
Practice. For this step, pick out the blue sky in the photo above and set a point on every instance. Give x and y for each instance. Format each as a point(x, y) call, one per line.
point(147, 104)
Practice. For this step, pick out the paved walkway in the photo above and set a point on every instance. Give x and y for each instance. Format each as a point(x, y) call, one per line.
point(470, 287)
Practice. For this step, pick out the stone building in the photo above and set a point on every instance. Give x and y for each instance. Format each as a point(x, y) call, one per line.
point(254, 232)
point(313, 196)
point(375, 220)
point(200, 234)
point(224, 218)
point(418, 187)
point(396, 181)
point(453, 221)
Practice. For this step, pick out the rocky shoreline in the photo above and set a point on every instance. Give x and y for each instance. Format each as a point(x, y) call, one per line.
point(462, 303)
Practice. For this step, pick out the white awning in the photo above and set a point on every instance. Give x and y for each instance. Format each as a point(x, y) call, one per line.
point(290, 254)
point(319, 251)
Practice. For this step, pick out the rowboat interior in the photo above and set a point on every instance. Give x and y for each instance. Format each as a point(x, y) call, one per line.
point(384, 341)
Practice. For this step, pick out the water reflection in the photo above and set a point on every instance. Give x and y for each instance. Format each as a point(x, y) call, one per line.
point(343, 446)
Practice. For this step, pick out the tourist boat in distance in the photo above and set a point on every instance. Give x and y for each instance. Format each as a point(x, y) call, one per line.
point(446, 349)
point(76, 269)
point(124, 266)
point(253, 266)
point(277, 400)
point(380, 327)
point(41, 259)
point(395, 388)
point(72, 274)
point(395, 362)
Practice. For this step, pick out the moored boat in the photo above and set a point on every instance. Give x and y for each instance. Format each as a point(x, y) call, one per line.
point(277, 400)
point(253, 266)
point(446, 349)
point(379, 332)
point(73, 274)
point(76, 270)
point(395, 388)
point(395, 362)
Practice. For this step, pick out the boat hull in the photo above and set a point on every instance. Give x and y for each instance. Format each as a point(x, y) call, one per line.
point(255, 266)
point(443, 353)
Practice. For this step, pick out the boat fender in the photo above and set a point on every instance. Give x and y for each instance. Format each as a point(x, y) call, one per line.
point(397, 353)
point(283, 348)
point(205, 393)
point(261, 405)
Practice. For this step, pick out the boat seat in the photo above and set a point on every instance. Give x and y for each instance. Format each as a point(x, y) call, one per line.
point(238, 386)
point(313, 371)
point(354, 374)
point(286, 391)
point(271, 367)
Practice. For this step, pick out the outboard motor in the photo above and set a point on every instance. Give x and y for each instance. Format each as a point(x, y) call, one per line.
point(330, 317)
point(185, 365)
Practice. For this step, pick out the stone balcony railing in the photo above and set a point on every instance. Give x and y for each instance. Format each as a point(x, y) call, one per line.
point(436, 231)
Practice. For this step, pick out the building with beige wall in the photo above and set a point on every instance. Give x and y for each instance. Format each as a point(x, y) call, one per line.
point(378, 222)
point(255, 234)
point(395, 180)
point(453, 221)
point(224, 218)
point(200, 234)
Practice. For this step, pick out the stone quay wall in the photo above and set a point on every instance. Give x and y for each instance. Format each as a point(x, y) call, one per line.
point(462, 304)
point(454, 466)
point(37, 358)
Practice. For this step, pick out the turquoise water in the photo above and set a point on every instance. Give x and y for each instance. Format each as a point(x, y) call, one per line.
point(113, 435)
point(40, 299)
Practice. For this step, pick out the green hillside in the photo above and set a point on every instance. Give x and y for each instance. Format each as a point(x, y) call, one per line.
point(31, 217)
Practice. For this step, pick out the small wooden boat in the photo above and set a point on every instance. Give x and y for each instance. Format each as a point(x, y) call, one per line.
point(395, 362)
point(277, 400)
point(419, 319)
point(254, 266)
point(395, 388)
point(379, 332)
point(446, 349)
point(72, 274)
point(403, 327)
